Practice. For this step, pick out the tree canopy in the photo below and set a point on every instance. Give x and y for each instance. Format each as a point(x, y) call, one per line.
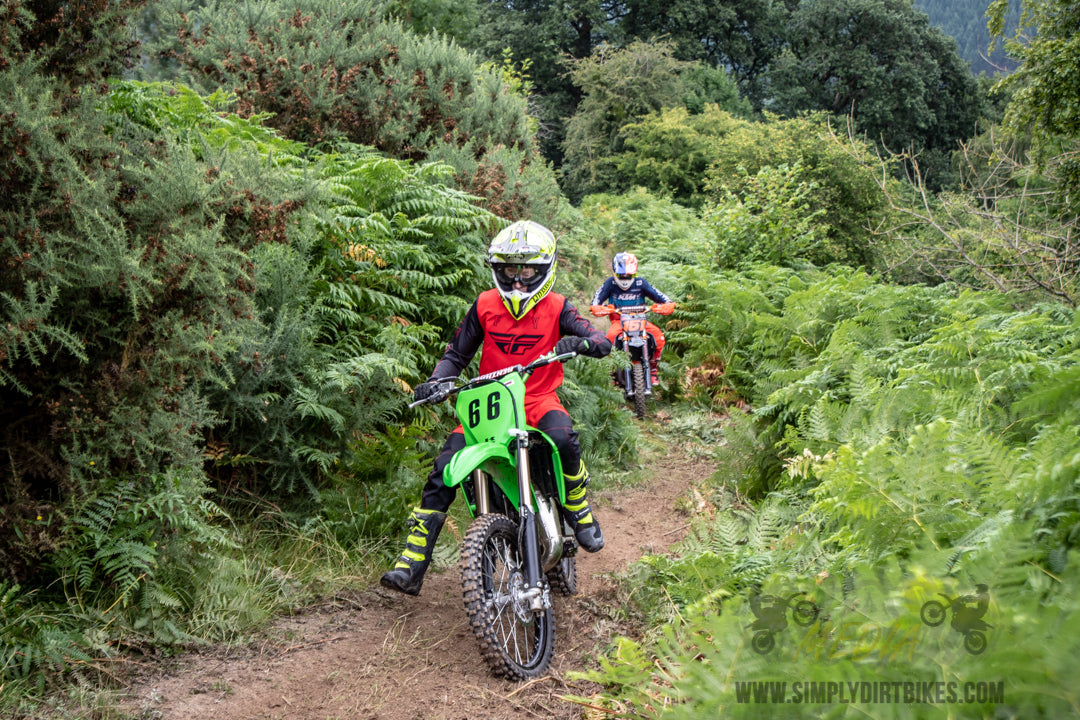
point(1046, 87)
point(743, 36)
point(882, 63)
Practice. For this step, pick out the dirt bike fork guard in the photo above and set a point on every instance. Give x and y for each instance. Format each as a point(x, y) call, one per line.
point(529, 539)
point(648, 373)
point(407, 575)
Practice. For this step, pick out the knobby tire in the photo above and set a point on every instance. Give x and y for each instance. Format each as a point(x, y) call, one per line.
point(491, 564)
point(637, 373)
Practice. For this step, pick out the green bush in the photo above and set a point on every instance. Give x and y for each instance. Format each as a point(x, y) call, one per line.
point(137, 289)
point(750, 173)
point(672, 151)
point(773, 219)
point(619, 86)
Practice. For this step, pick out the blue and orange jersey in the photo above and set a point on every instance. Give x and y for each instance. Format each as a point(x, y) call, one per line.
point(636, 294)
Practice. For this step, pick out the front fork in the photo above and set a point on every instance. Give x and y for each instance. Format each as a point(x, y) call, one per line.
point(528, 539)
point(481, 491)
point(646, 366)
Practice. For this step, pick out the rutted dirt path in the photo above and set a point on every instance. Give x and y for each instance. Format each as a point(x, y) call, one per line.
point(377, 655)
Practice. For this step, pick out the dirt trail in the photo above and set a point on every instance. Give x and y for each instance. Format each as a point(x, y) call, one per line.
point(377, 655)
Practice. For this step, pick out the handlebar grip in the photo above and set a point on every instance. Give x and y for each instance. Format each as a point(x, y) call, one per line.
point(663, 308)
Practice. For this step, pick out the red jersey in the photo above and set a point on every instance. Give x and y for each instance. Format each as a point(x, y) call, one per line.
point(504, 342)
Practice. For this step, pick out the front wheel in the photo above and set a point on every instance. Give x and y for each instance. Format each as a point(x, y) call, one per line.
point(638, 378)
point(515, 641)
point(763, 642)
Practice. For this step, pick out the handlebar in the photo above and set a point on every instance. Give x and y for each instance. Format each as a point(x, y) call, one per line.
point(452, 386)
point(659, 308)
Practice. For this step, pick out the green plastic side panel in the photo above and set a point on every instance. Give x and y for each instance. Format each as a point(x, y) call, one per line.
point(494, 459)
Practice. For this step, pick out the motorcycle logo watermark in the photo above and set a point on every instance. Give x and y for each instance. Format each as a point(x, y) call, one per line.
point(771, 612)
point(967, 612)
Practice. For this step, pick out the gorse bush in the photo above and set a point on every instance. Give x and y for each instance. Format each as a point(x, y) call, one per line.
point(325, 72)
point(132, 291)
point(134, 283)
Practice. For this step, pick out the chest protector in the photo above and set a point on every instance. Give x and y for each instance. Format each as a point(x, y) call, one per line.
point(510, 342)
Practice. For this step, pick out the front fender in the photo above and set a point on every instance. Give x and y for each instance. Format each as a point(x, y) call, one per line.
point(492, 458)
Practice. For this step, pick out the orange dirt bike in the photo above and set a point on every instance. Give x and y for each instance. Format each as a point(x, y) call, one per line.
point(638, 344)
point(518, 548)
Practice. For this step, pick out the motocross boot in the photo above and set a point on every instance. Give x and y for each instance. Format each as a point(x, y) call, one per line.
point(407, 574)
point(576, 512)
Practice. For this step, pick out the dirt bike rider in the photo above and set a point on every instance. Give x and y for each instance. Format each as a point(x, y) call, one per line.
point(623, 289)
point(969, 609)
point(513, 324)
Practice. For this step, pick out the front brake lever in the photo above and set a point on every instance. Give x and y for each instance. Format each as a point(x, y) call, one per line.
point(445, 388)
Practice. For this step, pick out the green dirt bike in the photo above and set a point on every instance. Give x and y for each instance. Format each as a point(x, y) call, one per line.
point(518, 547)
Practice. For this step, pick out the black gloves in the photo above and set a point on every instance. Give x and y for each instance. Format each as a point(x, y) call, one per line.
point(425, 390)
point(571, 344)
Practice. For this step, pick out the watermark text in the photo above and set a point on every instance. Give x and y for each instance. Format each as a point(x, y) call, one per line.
point(870, 692)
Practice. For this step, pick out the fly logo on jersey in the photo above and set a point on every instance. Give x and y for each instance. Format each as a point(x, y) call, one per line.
point(515, 344)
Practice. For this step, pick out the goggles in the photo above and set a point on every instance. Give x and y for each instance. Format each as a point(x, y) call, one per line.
point(518, 273)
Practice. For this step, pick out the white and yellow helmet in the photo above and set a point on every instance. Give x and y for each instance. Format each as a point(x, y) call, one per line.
point(522, 258)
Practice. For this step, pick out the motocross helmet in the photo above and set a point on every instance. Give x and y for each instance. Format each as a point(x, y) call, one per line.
point(624, 269)
point(522, 258)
